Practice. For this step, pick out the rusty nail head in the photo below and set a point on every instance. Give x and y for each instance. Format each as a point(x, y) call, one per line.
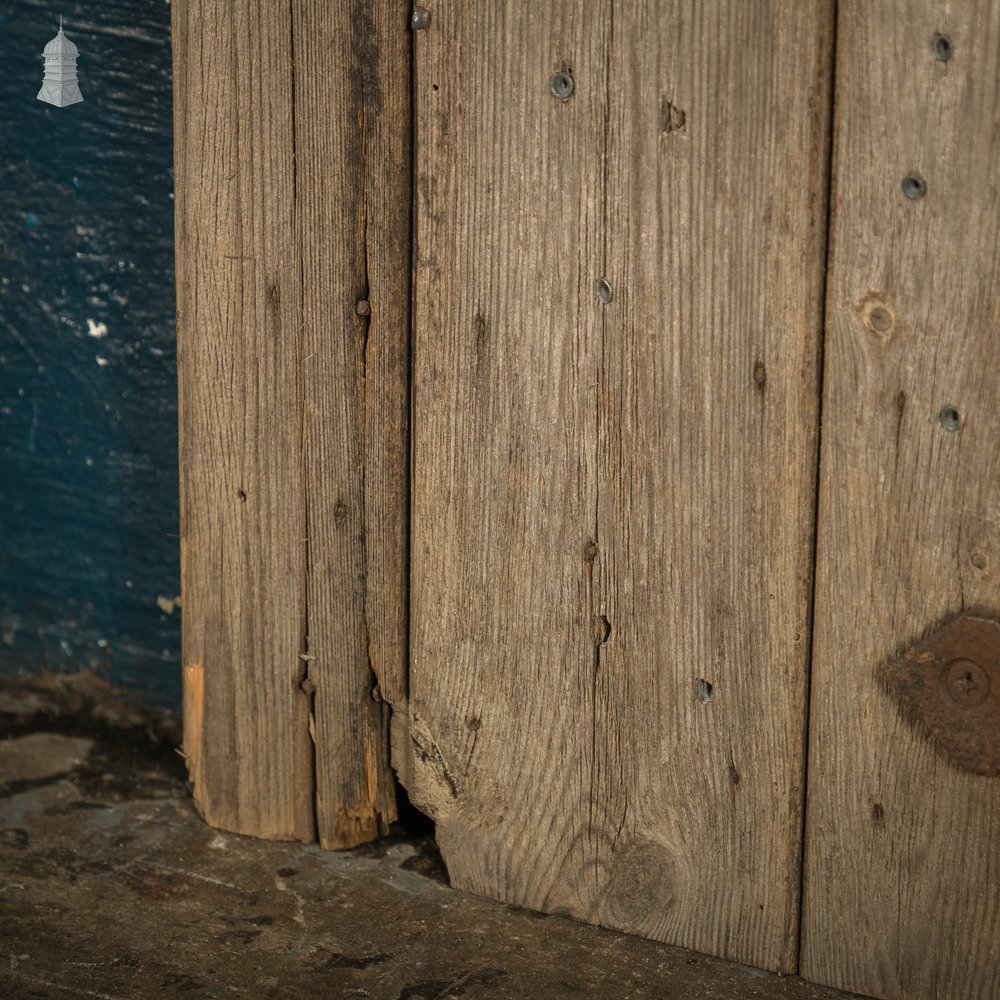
point(420, 19)
point(967, 683)
point(363, 308)
point(561, 85)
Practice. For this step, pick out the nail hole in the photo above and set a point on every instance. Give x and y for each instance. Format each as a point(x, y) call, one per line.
point(941, 47)
point(702, 689)
point(950, 419)
point(561, 86)
point(914, 186)
point(434, 87)
point(242, 495)
point(604, 290)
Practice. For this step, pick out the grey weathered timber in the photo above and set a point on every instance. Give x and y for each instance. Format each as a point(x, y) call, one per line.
point(352, 146)
point(902, 874)
point(614, 481)
point(292, 141)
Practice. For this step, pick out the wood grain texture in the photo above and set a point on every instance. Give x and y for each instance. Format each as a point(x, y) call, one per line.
point(613, 504)
point(291, 162)
point(352, 143)
point(902, 874)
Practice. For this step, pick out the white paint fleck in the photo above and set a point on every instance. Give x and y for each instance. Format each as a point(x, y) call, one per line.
point(97, 329)
point(167, 604)
point(102, 362)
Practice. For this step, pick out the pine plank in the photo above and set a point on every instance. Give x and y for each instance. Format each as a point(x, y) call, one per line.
point(293, 410)
point(352, 142)
point(614, 504)
point(508, 225)
point(902, 873)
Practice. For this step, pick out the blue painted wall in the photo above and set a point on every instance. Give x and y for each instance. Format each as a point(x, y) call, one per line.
point(88, 440)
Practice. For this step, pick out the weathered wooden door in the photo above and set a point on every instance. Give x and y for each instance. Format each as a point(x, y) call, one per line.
point(642, 574)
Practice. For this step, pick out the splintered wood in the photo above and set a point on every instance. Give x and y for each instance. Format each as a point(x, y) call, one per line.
point(616, 347)
point(292, 162)
point(902, 874)
point(601, 686)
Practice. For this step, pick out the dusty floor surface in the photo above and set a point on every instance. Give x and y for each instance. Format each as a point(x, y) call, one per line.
point(112, 887)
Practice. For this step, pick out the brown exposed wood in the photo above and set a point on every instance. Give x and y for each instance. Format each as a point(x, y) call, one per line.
point(613, 483)
point(352, 88)
point(902, 875)
point(292, 138)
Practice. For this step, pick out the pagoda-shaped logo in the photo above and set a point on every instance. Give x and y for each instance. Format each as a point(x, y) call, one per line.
point(59, 86)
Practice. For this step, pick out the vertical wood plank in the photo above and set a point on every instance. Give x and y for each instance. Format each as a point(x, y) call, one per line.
point(707, 398)
point(508, 226)
point(352, 95)
point(242, 515)
point(614, 503)
point(902, 874)
point(293, 409)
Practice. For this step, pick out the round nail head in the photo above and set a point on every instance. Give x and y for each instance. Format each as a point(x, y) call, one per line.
point(950, 419)
point(941, 47)
point(420, 19)
point(968, 684)
point(604, 290)
point(914, 186)
point(561, 86)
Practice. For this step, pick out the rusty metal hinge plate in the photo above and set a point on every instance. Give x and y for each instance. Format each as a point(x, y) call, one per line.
point(949, 687)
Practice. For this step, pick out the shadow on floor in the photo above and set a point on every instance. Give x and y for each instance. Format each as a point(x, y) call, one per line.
point(112, 887)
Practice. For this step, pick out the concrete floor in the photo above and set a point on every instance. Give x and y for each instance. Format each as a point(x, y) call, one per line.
point(112, 887)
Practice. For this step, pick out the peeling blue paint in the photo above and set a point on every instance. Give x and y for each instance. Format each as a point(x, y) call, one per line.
point(88, 442)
